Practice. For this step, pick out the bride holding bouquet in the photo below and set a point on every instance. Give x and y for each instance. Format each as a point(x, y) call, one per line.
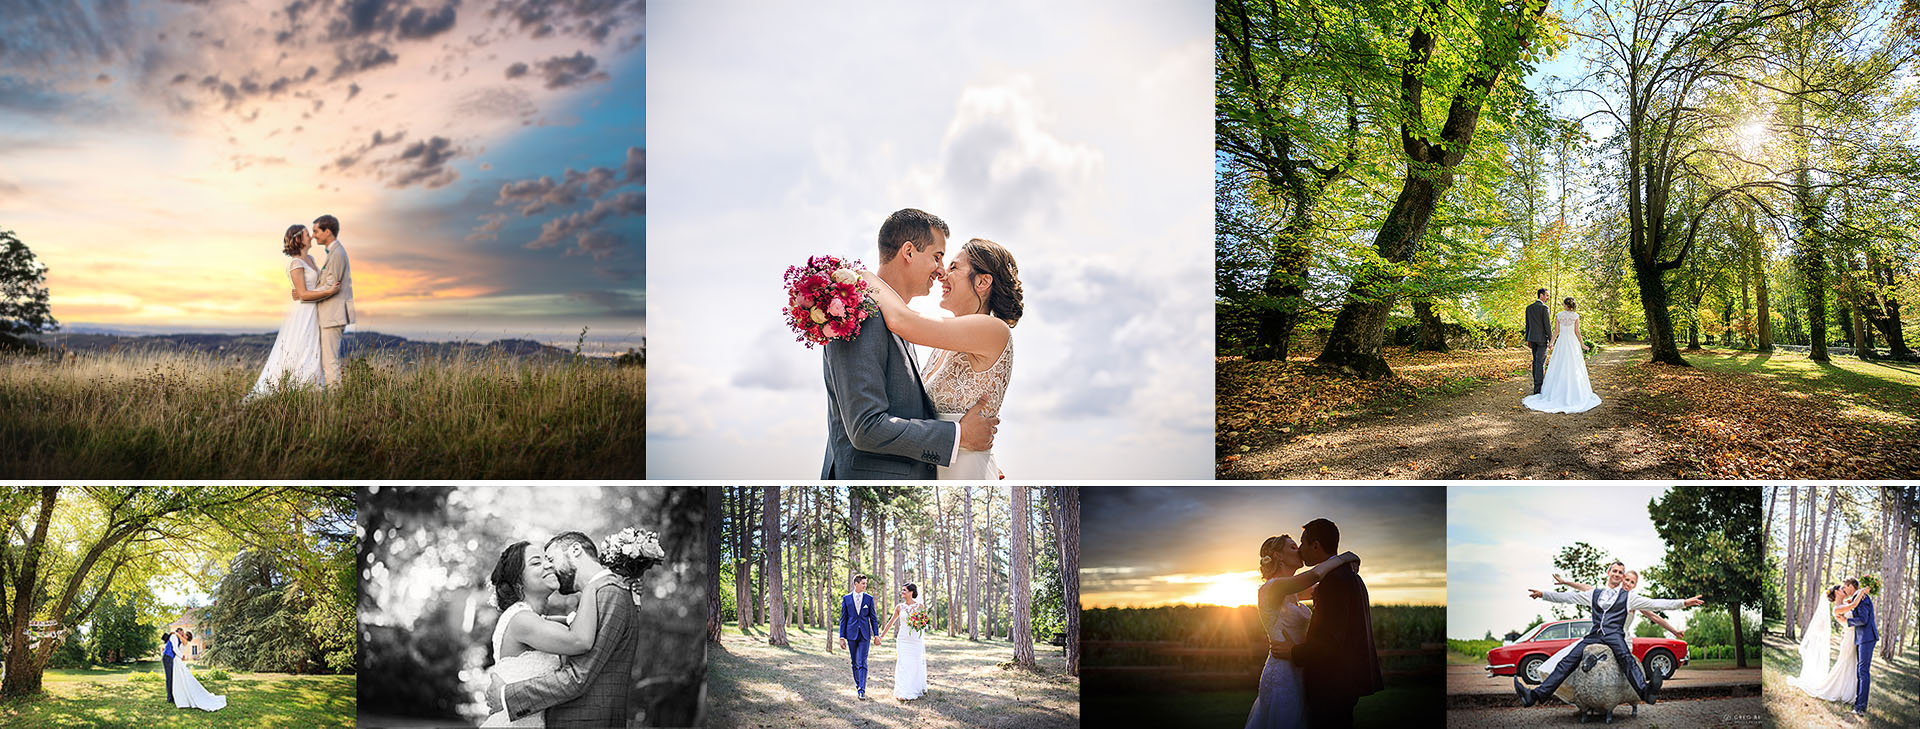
point(910, 652)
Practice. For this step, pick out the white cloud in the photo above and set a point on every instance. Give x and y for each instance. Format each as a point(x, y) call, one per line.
point(1069, 134)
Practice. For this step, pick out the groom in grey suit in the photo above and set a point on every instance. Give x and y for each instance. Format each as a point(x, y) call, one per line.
point(1539, 330)
point(880, 422)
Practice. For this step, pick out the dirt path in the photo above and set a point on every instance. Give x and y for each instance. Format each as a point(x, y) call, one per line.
point(752, 684)
point(1469, 685)
point(1485, 433)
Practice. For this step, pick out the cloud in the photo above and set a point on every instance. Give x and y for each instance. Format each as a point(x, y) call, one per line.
point(534, 196)
point(999, 157)
point(564, 71)
point(591, 19)
point(613, 303)
point(423, 163)
point(418, 24)
point(517, 70)
point(625, 203)
point(362, 57)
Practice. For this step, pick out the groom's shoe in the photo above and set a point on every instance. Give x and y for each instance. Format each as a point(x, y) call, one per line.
point(1653, 689)
point(1526, 696)
point(863, 694)
point(1593, 659)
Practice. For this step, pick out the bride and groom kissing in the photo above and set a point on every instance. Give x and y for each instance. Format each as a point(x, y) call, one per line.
point(306, 351)
point(1850, 678)
point(183, 689)
point(548, 672)
point(1320, 661)
point(887, 417)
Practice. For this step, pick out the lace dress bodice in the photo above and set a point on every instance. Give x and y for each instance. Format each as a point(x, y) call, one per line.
point(954, 385)
point(905, 632)
point(1567, 321)
point(313, 274)
point(1285, 620)
point(519, 667)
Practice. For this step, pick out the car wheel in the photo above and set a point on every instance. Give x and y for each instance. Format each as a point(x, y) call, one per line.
point(1530, 669)
point(1660, 663)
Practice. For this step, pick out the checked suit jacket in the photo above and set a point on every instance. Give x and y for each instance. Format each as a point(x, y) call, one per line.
point(590, 689)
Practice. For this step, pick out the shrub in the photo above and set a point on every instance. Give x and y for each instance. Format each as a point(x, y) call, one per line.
point(146, 677)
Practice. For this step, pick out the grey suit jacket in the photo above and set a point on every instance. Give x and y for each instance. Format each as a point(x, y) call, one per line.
point(880, 422)
point(590, 689)
point(337, 310)
point(1539, 329)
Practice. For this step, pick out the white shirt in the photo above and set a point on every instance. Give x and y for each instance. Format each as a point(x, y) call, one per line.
point(1608, 595)
point(586, 592)
point(907, 348)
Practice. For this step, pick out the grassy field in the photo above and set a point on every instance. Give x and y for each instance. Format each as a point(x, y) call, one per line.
point(180, 416)
point(1894, 700)
point(107, 696)
point(1870, 391)
point(752, 684)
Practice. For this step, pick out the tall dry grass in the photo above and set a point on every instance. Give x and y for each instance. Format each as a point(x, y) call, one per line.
point(177, 415)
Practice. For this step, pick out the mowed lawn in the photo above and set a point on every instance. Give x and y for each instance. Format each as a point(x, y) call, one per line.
point(969, 684)
point(108, 696)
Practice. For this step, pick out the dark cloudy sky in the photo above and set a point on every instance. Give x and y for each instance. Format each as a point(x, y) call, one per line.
point(486, 159)
point(1145, 546)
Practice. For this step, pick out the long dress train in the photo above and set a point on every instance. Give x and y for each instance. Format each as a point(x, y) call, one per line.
point(295, 357)
point(187, 691)
point(1566, 388)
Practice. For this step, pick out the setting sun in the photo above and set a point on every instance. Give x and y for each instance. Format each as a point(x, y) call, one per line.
point(1232, 589)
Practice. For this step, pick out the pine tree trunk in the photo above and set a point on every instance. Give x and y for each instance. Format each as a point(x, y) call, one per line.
point(1020, 592)
point(973, 571)
point(776, 601)
point(1070, 571)
point(714, 513)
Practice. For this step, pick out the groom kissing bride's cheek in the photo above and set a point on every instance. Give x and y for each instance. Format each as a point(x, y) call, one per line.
point(887, 417)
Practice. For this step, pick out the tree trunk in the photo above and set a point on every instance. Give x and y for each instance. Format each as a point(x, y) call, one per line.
point(1353, 345)
point(1791, 576)
point(714, 514)
point(1763, 314)
point(23, 671)
point(1433, 332)
point(1070, 571)
point(776, 601)
point(1653, 299)
point(1739, 637)
point(1283, 292)
point(1020, 592)
point(973, 570)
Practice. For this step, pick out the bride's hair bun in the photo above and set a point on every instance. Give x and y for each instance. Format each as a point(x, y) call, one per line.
point(1270, 554)
point(1831, 591)
point(1005, 300)
point(507, 575)
point(1569, 303)
point(290, 243)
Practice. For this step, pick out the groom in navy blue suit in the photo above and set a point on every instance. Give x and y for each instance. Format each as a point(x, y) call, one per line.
point(1865, 636)
point(859, 624)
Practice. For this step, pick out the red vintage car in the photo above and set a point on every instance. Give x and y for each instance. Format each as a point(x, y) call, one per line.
point(1661, 656)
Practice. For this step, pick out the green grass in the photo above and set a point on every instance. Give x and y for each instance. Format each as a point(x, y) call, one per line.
point(969, 684)
point(102, 697)
point(178, 415)
point(1893, 702)
point(1405, 704)
point(1880, 392)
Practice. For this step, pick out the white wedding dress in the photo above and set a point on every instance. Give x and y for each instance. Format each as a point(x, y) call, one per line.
point(910, 657)
point(187, 691)
point(1566, 388)
point(1282, 701)
point(520, 667)
point(1839, 682)
point(954, 386)
point(296, 349)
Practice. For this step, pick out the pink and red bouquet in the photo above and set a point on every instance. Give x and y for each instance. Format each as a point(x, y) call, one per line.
point(827, 300)
point(919, 621)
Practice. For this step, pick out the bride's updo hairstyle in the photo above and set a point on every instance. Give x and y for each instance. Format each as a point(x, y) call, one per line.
point(507, 575)
point(1832, 591)
point(1270, 555)
point(1569, 303)
point(1004, 298)
point(290, 244)
point(911, 590)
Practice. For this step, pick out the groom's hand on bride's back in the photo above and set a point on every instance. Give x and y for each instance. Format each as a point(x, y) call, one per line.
point(496, 689)
point(1280, 649)
point(976, 430)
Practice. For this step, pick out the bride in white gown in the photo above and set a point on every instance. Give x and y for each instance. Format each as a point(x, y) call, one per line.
point(1841, 681)
point(973, 359)
point(910, 647)
point(1566, 388)
point(187, 691)
point(525, 643)
point(294, 361)
point(1281, 703)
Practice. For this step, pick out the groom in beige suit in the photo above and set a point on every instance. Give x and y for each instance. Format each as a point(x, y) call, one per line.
point(335, 311)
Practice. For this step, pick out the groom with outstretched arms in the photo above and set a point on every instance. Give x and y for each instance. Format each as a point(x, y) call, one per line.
point(1865, 635)
point(1611, 606)
point(1337, 661)
point(590, 689)
point(880, 422)
point(859, 624)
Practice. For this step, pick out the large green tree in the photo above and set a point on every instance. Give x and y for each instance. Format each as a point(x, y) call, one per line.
point(120, 632)
point(24, 302)
point(1714, 548)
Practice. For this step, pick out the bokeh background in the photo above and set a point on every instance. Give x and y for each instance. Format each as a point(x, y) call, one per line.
point(427, 613)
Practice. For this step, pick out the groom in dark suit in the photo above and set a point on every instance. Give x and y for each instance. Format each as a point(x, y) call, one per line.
point(880, 422)
point(166, 663)
point(1539, 330)
point(1337, 661)
point(859, 625)
point(1865, 636)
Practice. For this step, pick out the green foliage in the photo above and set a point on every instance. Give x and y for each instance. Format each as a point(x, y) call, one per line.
point(1579, 562)
point(1650, 629)
point(24, 302)
point(72, 653)
point(1713, 628)
point(119, 632)
point(1476, 649)
point(1713, 543)
point(146, 677)
point(265, 621)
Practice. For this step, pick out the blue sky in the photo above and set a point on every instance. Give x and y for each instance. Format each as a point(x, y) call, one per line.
point(156, 151)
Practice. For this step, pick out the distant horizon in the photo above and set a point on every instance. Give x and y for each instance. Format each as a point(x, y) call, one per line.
point(423, 334)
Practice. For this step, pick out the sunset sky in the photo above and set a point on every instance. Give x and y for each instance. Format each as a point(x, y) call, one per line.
point(486, 160)
point(1143, 547)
